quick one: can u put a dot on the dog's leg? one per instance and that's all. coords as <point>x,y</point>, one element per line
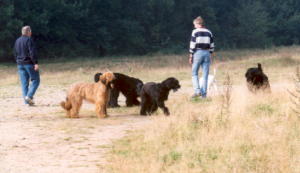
<point>76,104</point>
<point>150,105</point>
<point>132,102</point>
<point>101,109</point>
<point>129,101</point>
<point>143,109</point>
<point>135,101</point>
<point>250,87</point>
<point>68,113</point>
<point>144,105</point>
<point>266,87</point>
<point>163,107</point>
<point>153,108</point>
<point>113,100</point>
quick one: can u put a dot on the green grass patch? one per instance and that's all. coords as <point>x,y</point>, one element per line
<point>264,109</point>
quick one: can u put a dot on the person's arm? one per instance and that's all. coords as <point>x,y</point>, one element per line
<point>32,54</point>
<point>212,48</point>
<point>191,58</point>
<point>32,51</point>
<point>192,47</point>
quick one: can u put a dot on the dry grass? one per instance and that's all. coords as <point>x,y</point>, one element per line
<point>260,134</point>
<point>259,137</point>
<point>295,94</point>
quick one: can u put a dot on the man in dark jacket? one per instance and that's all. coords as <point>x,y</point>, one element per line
<point>28,68</point>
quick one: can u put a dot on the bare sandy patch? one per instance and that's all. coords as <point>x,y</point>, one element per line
<point>42,139</point>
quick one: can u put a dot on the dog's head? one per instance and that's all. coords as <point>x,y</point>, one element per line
<point>106,78</point>
<point>171,83</point>
<point>97,77</point>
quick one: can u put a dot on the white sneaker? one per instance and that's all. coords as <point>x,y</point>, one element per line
<point>29,101</point>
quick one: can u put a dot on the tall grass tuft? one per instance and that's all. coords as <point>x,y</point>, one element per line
<point>295,95</point>
<point>226,99</point>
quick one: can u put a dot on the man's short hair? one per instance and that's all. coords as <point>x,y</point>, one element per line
<point>26,30</point>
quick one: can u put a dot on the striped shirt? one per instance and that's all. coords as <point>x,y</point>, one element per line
<point>201,39</point>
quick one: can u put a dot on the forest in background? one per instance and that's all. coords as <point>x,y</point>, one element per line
<point>68,28</point>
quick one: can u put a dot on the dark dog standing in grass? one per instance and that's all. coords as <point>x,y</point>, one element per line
<point>257,80</point>
<point>130,87</point>
<point>153,95</point>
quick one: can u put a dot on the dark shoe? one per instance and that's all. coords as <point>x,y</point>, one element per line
<point>29,101</point>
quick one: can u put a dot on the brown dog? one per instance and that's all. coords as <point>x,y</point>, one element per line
<point>97,93</point>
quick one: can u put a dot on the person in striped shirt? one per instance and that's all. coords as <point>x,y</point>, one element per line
<point>201,50</point>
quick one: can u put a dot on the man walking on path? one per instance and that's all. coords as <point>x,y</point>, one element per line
<point>27,63</point>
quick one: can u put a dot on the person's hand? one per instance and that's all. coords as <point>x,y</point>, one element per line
<point>191,59</point>
<point>36,67</point>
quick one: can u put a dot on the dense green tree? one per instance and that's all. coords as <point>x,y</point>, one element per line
<point>103,27</point>
<point>283,18</point>
<point>252,25</point>
<point>9,28</point>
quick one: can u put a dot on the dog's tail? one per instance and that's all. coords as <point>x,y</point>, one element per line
<point>66,105</point>
<point>259,67</point>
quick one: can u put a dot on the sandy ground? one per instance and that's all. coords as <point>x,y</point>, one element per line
<point>41,139</point>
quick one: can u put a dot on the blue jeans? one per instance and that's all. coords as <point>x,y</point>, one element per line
<point>200,58</point>
<point>26,73</point>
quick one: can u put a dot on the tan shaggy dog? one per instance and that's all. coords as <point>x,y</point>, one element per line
<point>97,93</point>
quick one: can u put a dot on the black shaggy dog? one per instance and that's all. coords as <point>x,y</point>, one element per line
<point>130,87</point>
<point>257,80</point>
<point>153,95</point>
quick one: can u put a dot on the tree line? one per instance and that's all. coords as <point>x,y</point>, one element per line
<point>116,27</point>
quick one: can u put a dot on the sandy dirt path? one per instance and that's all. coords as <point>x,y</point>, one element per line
<point>42,140</point>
